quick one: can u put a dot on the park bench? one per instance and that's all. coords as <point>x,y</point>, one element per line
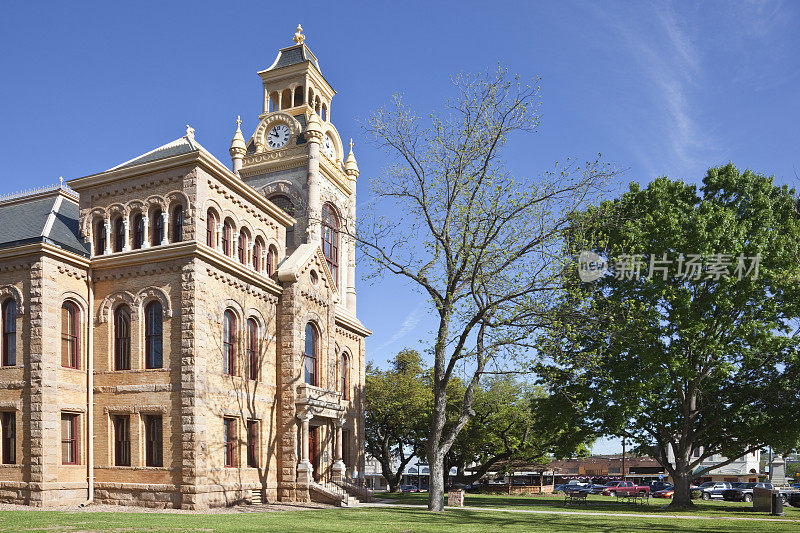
<point>575,496</point>
<point>640,498</point>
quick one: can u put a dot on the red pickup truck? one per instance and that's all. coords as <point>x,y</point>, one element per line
<point>625,488</point>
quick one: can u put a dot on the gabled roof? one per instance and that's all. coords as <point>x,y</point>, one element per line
<point>294,55</point>
<point>292,267</point>
<point>50,217</point>
<point>183,145</point>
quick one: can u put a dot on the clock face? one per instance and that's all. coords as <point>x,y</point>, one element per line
<point>278,136</point>
<point>327,148</point>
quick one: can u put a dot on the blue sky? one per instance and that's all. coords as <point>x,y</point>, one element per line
<point>658,88</point>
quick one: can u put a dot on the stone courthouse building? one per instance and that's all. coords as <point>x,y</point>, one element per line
<point>177,333</point>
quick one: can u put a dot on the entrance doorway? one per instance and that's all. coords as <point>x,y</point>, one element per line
<point>313,450</point>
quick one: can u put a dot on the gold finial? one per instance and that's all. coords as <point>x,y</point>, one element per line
<point>190,132</point>
<point>61,181</point>
<point>351,144</point>
<point>238,121</point>
<point>298,35</point>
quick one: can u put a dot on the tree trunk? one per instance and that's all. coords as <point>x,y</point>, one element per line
<point>682,497</point>
<point>436,489</point>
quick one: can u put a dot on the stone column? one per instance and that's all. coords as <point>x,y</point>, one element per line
<point>220,229</point>
<point>351,245</point>
<point>165,223</point>
<point>338,466</point>
<point>249,258</point>
<point>107,229</point>
<point>146,240</point>
<point>304,467</point>
<point>314,138</point>
<point>126,245</point>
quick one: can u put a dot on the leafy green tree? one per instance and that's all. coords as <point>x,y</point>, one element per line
<point>701,362</point>
<point>397,403</point>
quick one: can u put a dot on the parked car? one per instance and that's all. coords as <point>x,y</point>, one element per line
<point>620,488</point>
<point>666,493</point>
<point>409,488</point>
<point>743,492</point>
<point>596,489</point>
<point>793,499</point>
<point>656,486</point>
<point>712,489</point>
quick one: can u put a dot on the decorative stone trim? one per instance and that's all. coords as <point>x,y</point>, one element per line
<point>147,387</point>
<point>10,406</point>
<point>13,292</point>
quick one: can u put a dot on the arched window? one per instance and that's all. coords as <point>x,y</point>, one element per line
<point>257,255</point>
<point>138,231</point>
<point>122,338</point>
<point>9,310</point>
<point>324,114</point>
<point>344,371</point>
<point>211,228</point>
<point>70,349</point>
<point>158,227</point>
<point>242,248</point>
<point>154,335</point>
<point>330,240</point>
<point>310,356</point>
<point>272,256</point>
<point>227,237</point>
<point>177,223</point>
<point>229,343</point>
<point>252,348</point>
<point>298,96</point>
<point>119,234</point>
<point>100,237</point>
<point>288,207</point>
<point>286,99</point>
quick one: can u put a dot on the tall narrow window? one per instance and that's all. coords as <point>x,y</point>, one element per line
<point>345,377</point>
<point>122,440</point>
<point>310,356</point>
<point>69,335</point>
<point>227,236</point>
<point>177,223</point>
<point>158,227</point>
<point>154,441</point>
<point>69,439</point>
<point>119,234</point>
<point>252,444</point>
<point>330,240</point>
<point>211,228</point>
<point>272,256</point>
<point>242,247</point>
<point>286,205</point>
<point>9,310</point>
<point>138,231</point>
<point>229,343</point>
<point>153,333</point>
<point>252,348</point>
<point>100,238</point>
<point>9,429</point>
<point>230,441</point>
<point>257,256</point>
<point>122,338</point>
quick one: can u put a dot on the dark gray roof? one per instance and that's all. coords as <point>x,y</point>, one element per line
<point>26,221</point>
<point>294,55</point>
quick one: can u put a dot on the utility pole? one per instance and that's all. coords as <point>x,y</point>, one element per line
<point>623,457</point>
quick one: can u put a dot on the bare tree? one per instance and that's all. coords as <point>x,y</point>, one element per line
<point>483,244</point>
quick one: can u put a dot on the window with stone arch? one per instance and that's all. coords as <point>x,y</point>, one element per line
<point>229,343</point>
<point>252,349</point>
<point>257,248</point>
<point>122,338</point>
<point>286,205</point>
<point>154,335</point>
<point>119,234</point>
<point>211,228</point>
<point>70,338</point>
<point>100,237</point>
<point>330,240</point>
<point>227,238</point>
<point>9,312</point>
<point>177,223</point>
<point>157,236</point>
<point>310,355</point>
<point>242,246</point>
<point>344,375</point>
<point>272,258</point>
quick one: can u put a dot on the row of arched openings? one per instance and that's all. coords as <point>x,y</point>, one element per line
<point>311,360</point>
<point>236,244</point>
<point>288,98</point>
<point>155,224</point>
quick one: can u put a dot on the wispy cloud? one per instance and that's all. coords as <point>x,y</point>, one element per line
<point>408,325</point>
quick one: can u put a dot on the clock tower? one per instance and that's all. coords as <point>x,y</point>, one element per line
<point>295,157</point>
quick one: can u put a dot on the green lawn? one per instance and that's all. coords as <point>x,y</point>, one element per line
<point>367,520</point>
<point>595,503</point>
